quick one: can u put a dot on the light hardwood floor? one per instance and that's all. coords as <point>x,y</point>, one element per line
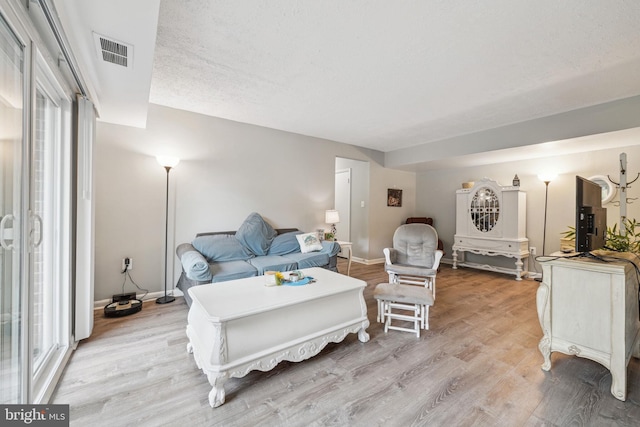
<point>478,365</point>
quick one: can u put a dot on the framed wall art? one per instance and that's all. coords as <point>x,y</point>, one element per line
<point>394,197</point>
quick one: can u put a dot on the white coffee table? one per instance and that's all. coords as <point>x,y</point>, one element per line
<point>242,325</point>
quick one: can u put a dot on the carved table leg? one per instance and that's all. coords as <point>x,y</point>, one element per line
<point>217,393</point>
<point>519,265</point>
<point>619,383</point>
<point>545,348</point>
<point>455,259</point>
<point>542,306</point>
<point>363,336</point>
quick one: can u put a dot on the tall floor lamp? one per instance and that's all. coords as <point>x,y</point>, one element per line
<point>546,178</point>
<point>167,163</point>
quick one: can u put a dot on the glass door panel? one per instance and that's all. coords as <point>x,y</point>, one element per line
<point>40,239</point>
<point>48,231</point>
<point>12,366</point>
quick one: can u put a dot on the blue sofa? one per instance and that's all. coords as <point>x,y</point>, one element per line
<point>254,248</point>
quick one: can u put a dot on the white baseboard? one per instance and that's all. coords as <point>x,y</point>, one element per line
<point>99,305</point>
<point>367,261</point>
<point>381,261</point>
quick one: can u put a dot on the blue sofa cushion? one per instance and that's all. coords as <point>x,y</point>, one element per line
<point>273,262</point>
<point>232,270</point>
<point>310,259</point>
<point>221,247</point>
<point>256,234</point>
<point>285,243</point>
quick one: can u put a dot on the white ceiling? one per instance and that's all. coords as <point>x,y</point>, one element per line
<point>391,76</point>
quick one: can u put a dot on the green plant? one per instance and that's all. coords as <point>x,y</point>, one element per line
<point>618,240</point>
<point>570,233</point>
<point>627,240</point>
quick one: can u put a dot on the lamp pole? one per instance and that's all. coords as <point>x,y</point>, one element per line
<point>546,178</point>
<point>166,298</point>
<point>544,230</point>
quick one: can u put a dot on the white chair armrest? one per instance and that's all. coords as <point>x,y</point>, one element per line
<point>389,255</point>
<point>438,257</point>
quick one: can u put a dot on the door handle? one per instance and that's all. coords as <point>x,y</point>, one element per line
<point>37,218</point>
<point>3,225</point>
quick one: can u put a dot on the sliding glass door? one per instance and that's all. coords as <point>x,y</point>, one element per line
<point>12,366</point>
<point>35,220</point>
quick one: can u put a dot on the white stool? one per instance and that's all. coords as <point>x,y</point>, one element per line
<point>413,298</point>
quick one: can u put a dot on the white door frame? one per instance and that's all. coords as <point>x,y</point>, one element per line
<point>342,203</point>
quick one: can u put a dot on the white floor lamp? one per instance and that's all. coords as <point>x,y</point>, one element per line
<point>167,163</point>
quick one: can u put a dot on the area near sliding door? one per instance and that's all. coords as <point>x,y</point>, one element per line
<point>12,63</point>
<point>35,209</point>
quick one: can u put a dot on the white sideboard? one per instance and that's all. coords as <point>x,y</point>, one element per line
<point>589,309</point>
<point>491,220</point>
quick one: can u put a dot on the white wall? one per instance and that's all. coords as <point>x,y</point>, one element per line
<point>230,169</point>
<point>437,191</point>
<point>227,171</point>
<point>387,218</point>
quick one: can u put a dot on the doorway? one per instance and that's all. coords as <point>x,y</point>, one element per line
<point>352,203</point>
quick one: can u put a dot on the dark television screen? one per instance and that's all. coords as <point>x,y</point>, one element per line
<point>591,217</point>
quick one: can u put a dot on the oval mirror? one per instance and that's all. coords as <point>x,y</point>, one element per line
<point>608,189</point>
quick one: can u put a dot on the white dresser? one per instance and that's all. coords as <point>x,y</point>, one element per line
<point>590,309</point>
<point>491,220</point>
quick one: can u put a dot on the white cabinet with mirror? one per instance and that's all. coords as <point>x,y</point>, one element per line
<point>491,220</point>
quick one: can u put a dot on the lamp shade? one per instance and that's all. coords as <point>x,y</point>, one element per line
<point>168,162</point>
<point>331,217</point>
<point>547,176</point>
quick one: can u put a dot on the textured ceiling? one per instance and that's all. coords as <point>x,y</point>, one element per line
<point>391,75</point>
<point>431,83</point>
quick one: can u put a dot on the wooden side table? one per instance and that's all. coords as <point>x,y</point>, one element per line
<point>347,245</point>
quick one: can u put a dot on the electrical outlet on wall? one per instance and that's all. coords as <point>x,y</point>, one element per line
<point>127,264</point>
<point>532,250</point>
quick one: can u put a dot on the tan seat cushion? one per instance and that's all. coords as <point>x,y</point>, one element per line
<point>403,293</point>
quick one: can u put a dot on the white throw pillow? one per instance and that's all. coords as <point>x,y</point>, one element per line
<point>309,242</point>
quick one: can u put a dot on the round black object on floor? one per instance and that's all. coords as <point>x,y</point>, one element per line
<point>165,300</point>
<point>122,308</point>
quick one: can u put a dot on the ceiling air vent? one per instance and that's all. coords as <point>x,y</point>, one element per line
<point>113,51</point>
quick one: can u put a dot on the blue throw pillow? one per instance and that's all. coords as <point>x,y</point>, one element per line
<point>285,243</point>
<point>256,235</point>
<point>221,247</point>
